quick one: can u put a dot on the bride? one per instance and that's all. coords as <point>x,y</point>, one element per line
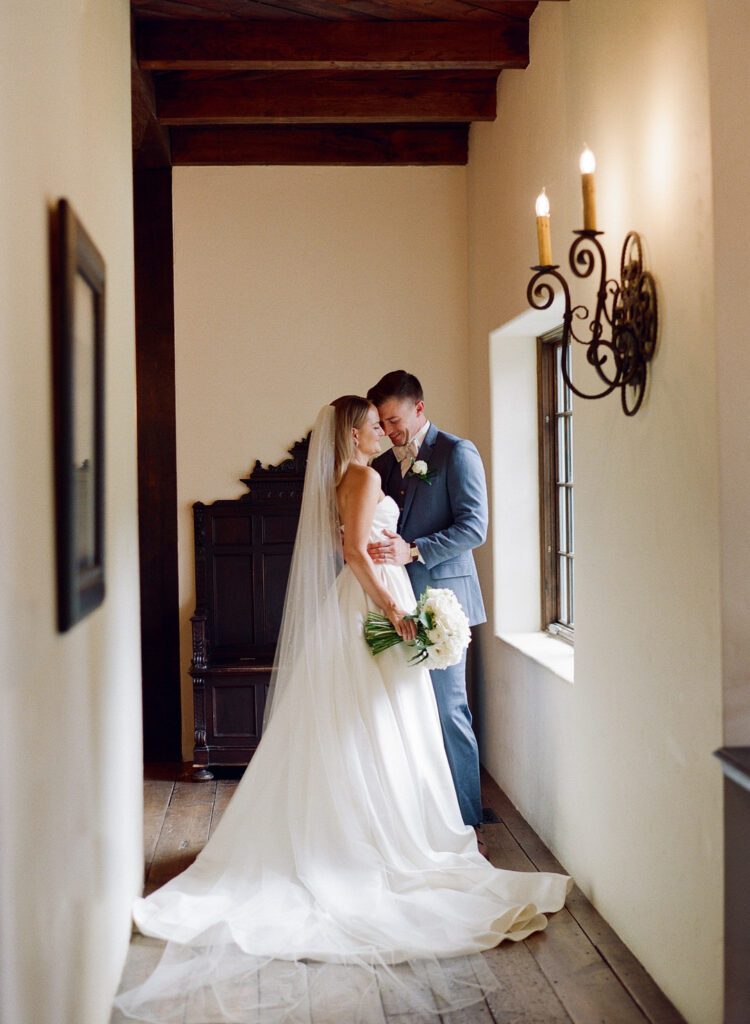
<point>341,875</point>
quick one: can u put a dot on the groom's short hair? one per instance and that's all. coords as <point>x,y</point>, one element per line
<point>396,384</point>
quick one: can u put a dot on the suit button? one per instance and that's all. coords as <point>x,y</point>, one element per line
<point>403,493</point>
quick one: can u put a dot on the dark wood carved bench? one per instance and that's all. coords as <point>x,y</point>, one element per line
<point>243,551</point>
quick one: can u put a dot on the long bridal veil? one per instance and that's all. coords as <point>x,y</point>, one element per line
<point>318,898</point>
<point>310,635</point>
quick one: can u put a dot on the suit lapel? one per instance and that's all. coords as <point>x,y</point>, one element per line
<point>413,482</point>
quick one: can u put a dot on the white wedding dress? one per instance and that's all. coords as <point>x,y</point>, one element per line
<point>343,844</point>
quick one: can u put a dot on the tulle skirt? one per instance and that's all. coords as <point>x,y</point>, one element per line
<point>341,879</point>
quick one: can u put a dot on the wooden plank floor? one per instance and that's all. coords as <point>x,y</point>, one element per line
<point>577,971</point>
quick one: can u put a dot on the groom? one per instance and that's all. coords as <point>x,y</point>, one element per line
<point>443,516</point>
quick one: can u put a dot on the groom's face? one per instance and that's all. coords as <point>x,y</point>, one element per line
<point>401,419</point>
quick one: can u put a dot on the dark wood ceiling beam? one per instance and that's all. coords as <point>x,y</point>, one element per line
<point>446,10</point>
<point>253,46</point>
<point>201,10</point>
<point>253,97</point>
<point>512,8</point>
<point>331,10</point>
<point>348,145</point>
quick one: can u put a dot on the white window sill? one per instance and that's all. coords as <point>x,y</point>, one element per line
<point>555,655</point>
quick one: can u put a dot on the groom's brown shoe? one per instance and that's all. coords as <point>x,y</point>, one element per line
<point>481,845</point>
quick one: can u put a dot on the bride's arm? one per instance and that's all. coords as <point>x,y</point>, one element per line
<point>360,497</point>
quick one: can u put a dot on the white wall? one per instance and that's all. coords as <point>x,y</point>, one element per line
<point>71,737</point>
<point>294,285</point>
<point>615,771</point>
<point>729,39</point>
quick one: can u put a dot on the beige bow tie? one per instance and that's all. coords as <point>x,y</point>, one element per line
<point>406,455</point>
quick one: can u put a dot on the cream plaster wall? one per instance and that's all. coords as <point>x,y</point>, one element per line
<point>615,771</point>
<point>71,801</point>
<point>294,285</point>
<point>729,39</point>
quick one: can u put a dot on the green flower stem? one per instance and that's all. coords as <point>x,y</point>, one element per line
<point>380,634</point>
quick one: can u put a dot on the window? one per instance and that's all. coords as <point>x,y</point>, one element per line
<point>556,486</point>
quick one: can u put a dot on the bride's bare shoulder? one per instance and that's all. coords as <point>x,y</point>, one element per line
<point>360,480</point>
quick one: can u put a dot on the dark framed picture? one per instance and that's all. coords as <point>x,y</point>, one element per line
<point>78,279</point>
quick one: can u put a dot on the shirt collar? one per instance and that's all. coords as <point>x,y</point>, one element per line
<point>421,434</point>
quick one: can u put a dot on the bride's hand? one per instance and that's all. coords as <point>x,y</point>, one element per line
<point>404,626</point>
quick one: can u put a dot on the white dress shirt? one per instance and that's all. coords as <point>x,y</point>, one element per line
<point>407,456</point>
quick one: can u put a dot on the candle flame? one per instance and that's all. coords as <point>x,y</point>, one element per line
<point>542,204</point>
<point>588,161</point>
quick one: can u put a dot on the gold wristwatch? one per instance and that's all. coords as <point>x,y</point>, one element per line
<point>413,552</point>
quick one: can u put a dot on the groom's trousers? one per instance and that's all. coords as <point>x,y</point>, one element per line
<point>459,739</point>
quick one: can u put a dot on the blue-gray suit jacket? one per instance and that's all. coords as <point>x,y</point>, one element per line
<point>445,518</point>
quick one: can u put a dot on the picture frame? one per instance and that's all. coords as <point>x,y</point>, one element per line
<point>78,334</point>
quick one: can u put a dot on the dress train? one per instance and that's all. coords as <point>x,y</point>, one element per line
<point>341,865</point>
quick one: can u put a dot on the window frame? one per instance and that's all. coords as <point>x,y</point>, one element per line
<point>549,487</point>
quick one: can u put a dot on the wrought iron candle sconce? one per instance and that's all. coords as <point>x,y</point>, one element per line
<point>623,329</point>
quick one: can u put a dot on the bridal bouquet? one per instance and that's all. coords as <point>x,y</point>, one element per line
<point>442,630</point>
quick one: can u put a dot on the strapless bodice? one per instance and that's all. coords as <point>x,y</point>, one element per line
<point>385,518</point>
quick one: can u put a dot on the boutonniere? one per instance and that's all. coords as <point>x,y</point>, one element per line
<point>421,471</point>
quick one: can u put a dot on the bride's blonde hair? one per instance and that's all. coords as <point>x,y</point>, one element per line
<point>351,413</point>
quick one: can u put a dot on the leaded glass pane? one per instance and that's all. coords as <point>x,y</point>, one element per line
<point>562,470</point>
<point>563,587</point>
<point>567,394</point>
<point>562,507</point>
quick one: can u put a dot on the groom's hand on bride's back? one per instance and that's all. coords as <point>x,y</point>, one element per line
<point>394,550</point>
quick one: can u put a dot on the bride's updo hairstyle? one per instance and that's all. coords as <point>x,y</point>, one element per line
<point>351,413</point>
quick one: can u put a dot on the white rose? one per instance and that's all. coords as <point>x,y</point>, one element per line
<point>419,467</point>
<point>436,635</point>
<point>448,634</point>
